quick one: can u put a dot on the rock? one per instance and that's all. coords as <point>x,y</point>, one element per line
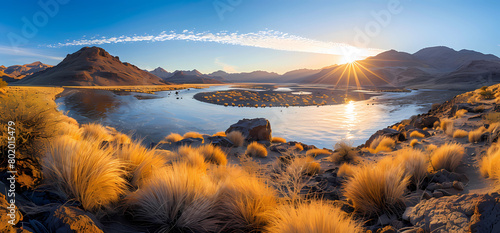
<point>406,214</point>
<point>286,147</point>
<point>466,106</point>
<point>433,186</point>
<point>257,129</point>
<point>385,219</point>
<point>71,219</point>
<point>265,143</point>
<point>444,192</point>
<point>437,194</point>
<point>427,195</point>
<point>414,230</point>
<point>8,212</point>
<point>387,229</point>
<point>190,142</point>
<point>458,185</point>
<point>220,141</point>
<point>392,133</point>
<point>459,213</point>
<point>424,121</point>
<point>397,224</point>
<point>446,185</point>
<point>443,175</point>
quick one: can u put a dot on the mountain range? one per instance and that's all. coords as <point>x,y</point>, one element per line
<point>434,67</point>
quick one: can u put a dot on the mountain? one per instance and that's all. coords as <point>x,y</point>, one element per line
<point>264,76</point>
<point>16,72</point>
<point>445,58</point>
<point>194,76</point>
<point>161,73</point>
<point>393,58</point>
<point>92,66</point>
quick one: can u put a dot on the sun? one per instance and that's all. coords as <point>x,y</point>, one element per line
<point>350,58</point>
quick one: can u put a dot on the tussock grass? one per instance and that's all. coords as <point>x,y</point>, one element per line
<point>346,170</point>
<point>236,137</point>
<point>312,217</point>
<point>414,163</point>
<point>256,149</point>
<point>416,134</point>
<point>378,189</point>
<point>430,147</point>
<point>173,137</point>
<point>191,156</point>
<point>222,134</point>
<point>120,138</point>
<point>298,147</point>
<point>460,133</point>
<point>414,142</point>
<point>445,124</point>
<point>93,131</point>
<point>475,135</point>
<point>70,130</point>
<point>213,154</point>
<point>489,166</point>
<point>344,153</point>
<point>306,165</point>
<point>278,140</point>
<point>460,113</point>
<point>193,135</point>
<point>382,144</point>
<point>82,171</point>
<point>316,152</point>
<point>179,198</point>
<point>447,156</point>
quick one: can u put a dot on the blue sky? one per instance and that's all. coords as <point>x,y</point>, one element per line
<point>242,35</point>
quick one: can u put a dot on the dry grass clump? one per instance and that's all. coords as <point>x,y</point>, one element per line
<point>490,164</point>
<point>120,139</point>
<point>256,149</point>
<point>236,137</point>
<point>179,198</point>
<point>221,134</point>
<point>475,135</point>
<point>493,117</point>
<point>306,165</point>
<point>298,147</point>
<point>82,171</point>
<point>316,152</point>
<point>191,156</point>
<point>446,123</point>
<point>95,131</point>
<point>346,170</point>
<point>414,164</point>
<point>414,142</point>
<point>460,133</point>
<point>431,147</point>
<point>278,140</point>
<point>70,130</point>
<point>173,137</point>
<point>312,217</point>
<point>213,154</point>
<point>193,135</point>
<point>416,134</point>
<point>382,143</point>
<point>447,156</point>
<point>344,153</point>
<point>378,189</point>
<point>460,113</point>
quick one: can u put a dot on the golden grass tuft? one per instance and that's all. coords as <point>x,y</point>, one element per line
<point>82,171</point>
<point>344,153</point>
<point>312,217</point>
<point>414,163</point>
<point>193,135</point>
<point>431,147</point>
<point>460,113</point>
<point>191,156</point>
<point>414,142</point>
<point>95,131</point>
<point>236,137</point>
<point>120,139</point>
<point>416,134</point>
<point>256,149</point>
<point>378,189</point>
<point>179,198</point>
<point>460,133</point>
<point>382,144</point>
<point>346,170</point>
<point>445,124</point>
<point>475,135</point>
<point>306,165</point>
<point>173,137</point>
<point>278,140</point>
<point>298,147</point>
<point>447,156</point>
<point>221,134</point>
<point>316,152</point>
<point>213,154</point>
<point>489,166</point>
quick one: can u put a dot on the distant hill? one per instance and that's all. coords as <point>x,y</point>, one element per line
<point>16,72</point>
<point>161,73</point>
<point>264,76</point>
<point>194,76</point>
<point>445,58</point>
<point>92,66</point>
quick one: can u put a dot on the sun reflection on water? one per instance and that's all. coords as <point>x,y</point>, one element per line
<point>351,119</point>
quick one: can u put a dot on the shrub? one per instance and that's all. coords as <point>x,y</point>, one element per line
<point>193,135</point>
<point>173,137</point>
<point>344,153</point>
<point>278,140</point>
<point>345,170</point>
<point>446,123</point>
<point>298,147</point>
<point>414,142</point>
<point>305,164</point>
<point>382,143</point>
<point>316,152</point>
<point>178,198</point>
<point>93,131</point>
<point>256,149</point>
<point>447,156</point>
<point>120,139</point>
<point>374,190</point>
<point>236,137</point>
<point>84,172</point>
<point>460,113</point>
<point>431,147</point>
<point>191,156</point>
<point>416,134</point>
<point>3,83</point>
<point>414,164</point>
<point>312,217</point>
<point>460,133</point>
<point>213,154</point>
<point>490,165</point>
<point>475,135</point>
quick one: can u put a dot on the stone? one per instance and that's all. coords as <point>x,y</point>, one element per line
<point>446,185</point>
<point>486,216</point>
<point>257,129</point>
<point>190,142</point>
<point>427,195</point>
<point>290,146</point>
<point>444,192</point>
<point>437,194</point>
<point>397,224</point>
<point>71,219</point>
<point>424,121</point>
<point>392,133</point>
<point>220,141</point>
<point>458,185</point>
<point>433,186</point>
<point>406,214</point>
<point>385,219</point>
<point>444,175</point>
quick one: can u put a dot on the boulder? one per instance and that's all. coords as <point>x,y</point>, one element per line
<point>220,141</point>
<point>72,219</point>
<point>444,175</point>
<point>190,142</point>
<point>285,147</point>
<point>459,213</point>
<point>257,129</point>
<point>387,132</point>
<point>421,122</point>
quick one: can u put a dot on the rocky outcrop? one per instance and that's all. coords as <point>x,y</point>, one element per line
<point>462,213</point>
<point>257,129</point>
<point>421,122</point>
<point>387,132</point>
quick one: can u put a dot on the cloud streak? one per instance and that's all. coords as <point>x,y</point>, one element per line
<point>25,52</point>
<point>268,39</point>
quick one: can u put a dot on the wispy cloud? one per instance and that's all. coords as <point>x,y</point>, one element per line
<point>25,52</point>
<point>225,67</point>
<point>269,39</point>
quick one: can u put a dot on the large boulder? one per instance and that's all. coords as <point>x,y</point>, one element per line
<point>71,219</point>
<point>257,129</point>
<point>387,132</point>
<point>421,122</point>
<point>220,141</point>
<point>462,213</point>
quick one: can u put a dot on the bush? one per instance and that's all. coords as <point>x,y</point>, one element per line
<point>460,133</point>
<point>193,135</point>
<point>446,123</point>
<point>416,134</point>
<point>414,164</point>
<point>447,156</point>
<point>256,149</point>
<point>487,94</point>
<point>236,137</point>
<point>278,140</point>
<point>82,171</point>
<point>344,153</point>
<point>213,154</point>
<point>382,144</point>
<point>492,117</point>
<point>3,83</point>
<point>312,217</point>
<point>414,142</point>
<point>93,131</point>
<point>306,165</point>
<point>172,137</point>
<point>460,113</point>
<point>345,170</point>
<point>191,156</point>
<point>475,135</point>
<point>490,164</point>
<point>374,190</point>
<point>298,147</point>
<point>315,152</point>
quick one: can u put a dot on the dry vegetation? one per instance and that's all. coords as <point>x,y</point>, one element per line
<point>382,144</point>
<point>460,133</point>
<point>447,156</point>
<point>475,135</point>
<point>278,140</point>
<point>316,152</point>
<point>416,134</point>
<point>460,113</point>
<point>236,137</point>
<point>344,153</point>
<point>413,142</point>
<point>256,149</point>
<point>173,137</point>
<point>490,164</point>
